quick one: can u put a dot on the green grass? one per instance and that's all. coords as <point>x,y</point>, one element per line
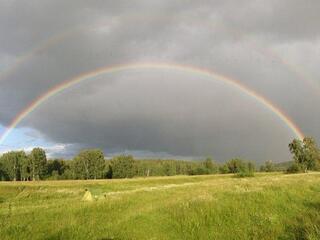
<point>268,206</point>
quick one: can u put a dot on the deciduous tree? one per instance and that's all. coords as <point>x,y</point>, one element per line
<point>305,153</point>
<point>268,166</point>
<point>122,166</point>
<point>38,161</point>
<point>12,162</point>
<point>89,164</point>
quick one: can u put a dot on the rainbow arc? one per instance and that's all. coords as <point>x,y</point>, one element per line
<point>168,66</point>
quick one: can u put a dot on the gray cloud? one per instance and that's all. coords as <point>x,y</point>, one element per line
<point>271,47</point>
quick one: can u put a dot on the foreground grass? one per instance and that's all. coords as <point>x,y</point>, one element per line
<point>268,206</point>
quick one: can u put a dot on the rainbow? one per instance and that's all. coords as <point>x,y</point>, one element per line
<point>52,41</point>
<point>134,66</point>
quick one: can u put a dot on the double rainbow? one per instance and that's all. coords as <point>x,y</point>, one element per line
<point>168,66</point>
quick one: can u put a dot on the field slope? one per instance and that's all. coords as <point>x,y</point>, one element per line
<point>268,206</point>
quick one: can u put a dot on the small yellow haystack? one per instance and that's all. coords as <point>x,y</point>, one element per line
<point>87,196</point>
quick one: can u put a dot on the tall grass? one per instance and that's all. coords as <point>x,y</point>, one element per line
<point>267,206</point>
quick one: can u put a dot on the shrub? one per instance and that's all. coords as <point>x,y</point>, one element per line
<point>199,170</point>
<point>245,173</point>
<point>294,168</point>
<point>268,166</point>
<point>235,165</point>
<point>223,169</point>
<point>246,170</point>
<point>240,167</point>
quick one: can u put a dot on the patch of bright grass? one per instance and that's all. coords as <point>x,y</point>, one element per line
<point>267,206</point>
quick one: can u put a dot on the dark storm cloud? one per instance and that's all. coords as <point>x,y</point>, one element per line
<point>257,42</point>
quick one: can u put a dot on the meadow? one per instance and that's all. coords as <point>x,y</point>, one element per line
<point>267,206</point>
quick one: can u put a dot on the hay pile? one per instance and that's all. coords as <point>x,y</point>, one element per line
<point>87,196</point>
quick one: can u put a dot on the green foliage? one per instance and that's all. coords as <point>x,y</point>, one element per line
<point>173,167</point>
<point>108,174</point>
<point>122,166</point>
<point>246,169</point>
<point>169,168</point>
<point>25,169</point>
<point>268,166</point>
<point>240,167</point>
<point>68,172</point>
<point>295,168</point>
<point>37,161</point>
<point>224,169</point>
<point>282,166</point>
<point>234,165</point>
<point>202,168</point>
<point>210,166</point>
<point>3,174</point>
<point>12,163</point>
<point>55,165</point>
<point>197,170</point>
<point>56,169</point>
<point>305,153</point>
<point>89,164</point>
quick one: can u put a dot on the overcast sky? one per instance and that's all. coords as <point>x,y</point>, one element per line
<point>272,47</point>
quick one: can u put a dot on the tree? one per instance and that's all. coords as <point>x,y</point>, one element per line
<point>240,167</point>
<point>169,168</point>
<point>305,153</point>
<point>56,167</point>
<point>12,162</point>
<point>38,161</point>
<point>223,169</point>
<point>68,170</point>
<point>268,166</point>
<point>53,165</point>
<point>122,166</point>
<point>89,164</point>
<point>97,163</point>
<point>246,169</point>
<point>3,174</point>
<point>312,153</point>
<point>234,165</point>
<point>25,169</point>
<point>251,168</point>
<point>210,166</point>
<point>294,168</point>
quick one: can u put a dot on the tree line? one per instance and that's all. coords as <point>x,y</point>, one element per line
<point>91,164</point>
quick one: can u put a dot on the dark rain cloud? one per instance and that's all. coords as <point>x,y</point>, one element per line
<point>272,47</point>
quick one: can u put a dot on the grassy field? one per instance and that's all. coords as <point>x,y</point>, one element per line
<point>268,206</point>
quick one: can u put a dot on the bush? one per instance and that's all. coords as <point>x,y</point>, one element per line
<point>210,166</point>
<point>268,166</point>
<point>246,170</point>
<point>294,168</point>
<point>240,167</point>
<point>235,165</point>
<point>223,169</point>
<point>245,173</point>
<point>67,174</point>
<point>200,170</point>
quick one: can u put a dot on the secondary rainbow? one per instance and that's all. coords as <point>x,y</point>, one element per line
<point>134,66</point>
<point>58,38</point>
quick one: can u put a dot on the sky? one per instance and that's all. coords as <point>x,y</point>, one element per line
<point>271,48</point>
